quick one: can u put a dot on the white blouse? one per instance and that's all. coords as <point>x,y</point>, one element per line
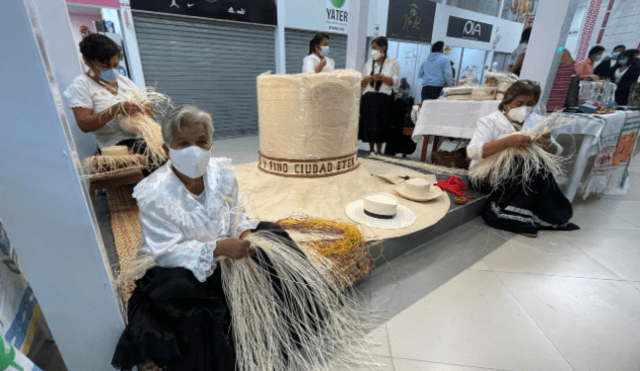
<point>181,232</point>
<point>390,68</point>
<point>311,61</point>
<point>496,126</point>
<point>86,93</point>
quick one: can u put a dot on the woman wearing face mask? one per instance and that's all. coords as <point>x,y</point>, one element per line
<point>190,213</point>
<point>317,60</point>
<point>625,73</point>
<point>516,207</point>
<point>98,98</point>
<point>585,68</point>
<point>382,74</point>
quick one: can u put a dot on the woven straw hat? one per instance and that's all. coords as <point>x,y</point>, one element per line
<point>419,189</point>
<point>381,210</point>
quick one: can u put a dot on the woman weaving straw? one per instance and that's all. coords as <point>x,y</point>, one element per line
<point>100,98</point>
<point>215,300</point>
<point>515,168</point>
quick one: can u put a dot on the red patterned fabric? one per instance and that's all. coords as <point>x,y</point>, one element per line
<point>559,88</point>
<point>454,185</point>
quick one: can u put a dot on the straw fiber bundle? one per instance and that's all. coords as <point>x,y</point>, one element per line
<point>144,127</point>
<point>502,166</point>
<point>330,328</point>
<point>340,242</point>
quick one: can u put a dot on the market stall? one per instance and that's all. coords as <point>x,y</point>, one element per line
<point>596,166</point>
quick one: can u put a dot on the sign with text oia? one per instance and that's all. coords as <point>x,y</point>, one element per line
<point>469,29</point>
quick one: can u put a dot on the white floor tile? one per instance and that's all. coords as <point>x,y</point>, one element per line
<point>551,254</point>
<point>473,320</point>
<point>380,342</point>
<point>618,250</point>
<point>378,363</point>
<point>594,323</point>
<point>480,266</point>
<point>412,365</point>
<point>636,284</point>
<point>587,217</point>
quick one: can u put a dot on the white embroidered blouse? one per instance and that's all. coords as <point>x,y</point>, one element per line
<point>180,231</point>
<point>496,126</point>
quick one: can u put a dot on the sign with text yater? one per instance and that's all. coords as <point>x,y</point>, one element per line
<point>461,28</point>
<point>411,20</point>
<point>250,11</point>
<point>337,15</point>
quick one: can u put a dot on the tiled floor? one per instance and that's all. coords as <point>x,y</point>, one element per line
<point>480,299</point>
<point>563,301</point>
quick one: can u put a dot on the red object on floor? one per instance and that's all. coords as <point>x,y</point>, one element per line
<point>454,185</point>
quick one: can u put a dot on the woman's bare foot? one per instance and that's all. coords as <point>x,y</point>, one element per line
<point>530,235</point>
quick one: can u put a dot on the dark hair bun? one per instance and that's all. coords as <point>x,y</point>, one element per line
<point>96,47</point>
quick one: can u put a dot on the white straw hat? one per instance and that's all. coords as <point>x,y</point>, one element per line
<point>381,210</point>
<point>419,189</point>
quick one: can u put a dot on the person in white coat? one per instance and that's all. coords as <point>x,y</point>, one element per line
<point>317,61</point>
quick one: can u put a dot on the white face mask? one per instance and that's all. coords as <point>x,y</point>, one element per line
<point>520,114</point>
<point>191,161</point>
<point>324,51</point>
<point>375,54</point>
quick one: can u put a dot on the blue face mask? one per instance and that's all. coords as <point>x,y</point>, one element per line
<point>324,51</point>
<point>623,62</point>
<point>599,57</point>
<point>110,75</point>
<point>615,54</point>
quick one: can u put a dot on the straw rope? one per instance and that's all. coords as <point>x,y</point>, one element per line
<point>435,169</point>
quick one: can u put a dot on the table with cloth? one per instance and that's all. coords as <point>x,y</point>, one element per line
<point>597,164</point>
<point>449,118</point>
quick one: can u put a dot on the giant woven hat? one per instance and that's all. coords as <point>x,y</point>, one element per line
<point>308,162</point>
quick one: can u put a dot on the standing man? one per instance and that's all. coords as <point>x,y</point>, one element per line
<point>606,67</point>
<point>434,72</point>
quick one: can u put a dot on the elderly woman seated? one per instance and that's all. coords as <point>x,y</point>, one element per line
<point>515,206</point>
<point>190,215</point>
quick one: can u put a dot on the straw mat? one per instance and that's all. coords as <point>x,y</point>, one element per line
<point>126,231</point>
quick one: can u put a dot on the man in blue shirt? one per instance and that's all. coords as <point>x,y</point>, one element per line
<point>434,72</point>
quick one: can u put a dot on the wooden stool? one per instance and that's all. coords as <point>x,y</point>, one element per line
<point>114,179</point>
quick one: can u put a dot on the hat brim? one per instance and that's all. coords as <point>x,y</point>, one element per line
<point>434,192</point>
<point>404,218</point>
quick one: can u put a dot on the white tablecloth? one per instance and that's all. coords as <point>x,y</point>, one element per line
<point>451,118</point>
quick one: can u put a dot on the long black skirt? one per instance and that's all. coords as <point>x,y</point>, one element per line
<point>182,324</point>
<point>520,208</point>
<point>376,117</point>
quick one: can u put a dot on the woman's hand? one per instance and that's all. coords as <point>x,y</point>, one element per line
<point>234,249</point>
<point>366,81</point>
<point>519,141</point>
<point>544,140</point>
<point>127,108</point>
<point>245,233</point>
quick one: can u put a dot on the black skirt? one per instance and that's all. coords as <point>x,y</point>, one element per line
<point>521,208</point>
<point>376,117</point>
<point>182,324</point>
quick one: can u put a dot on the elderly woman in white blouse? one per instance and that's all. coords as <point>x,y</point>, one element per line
<point>382,74</point>
<point>517,207</point>
<point>190,215</point>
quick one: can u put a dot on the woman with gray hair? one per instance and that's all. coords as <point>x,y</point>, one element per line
<point>190,215</point>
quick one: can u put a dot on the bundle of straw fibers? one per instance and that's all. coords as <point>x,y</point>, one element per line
<point>145,127</point>
<point>310,320</point>
<point>500,167</point>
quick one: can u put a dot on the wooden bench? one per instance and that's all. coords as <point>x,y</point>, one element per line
<point>114,179</point>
